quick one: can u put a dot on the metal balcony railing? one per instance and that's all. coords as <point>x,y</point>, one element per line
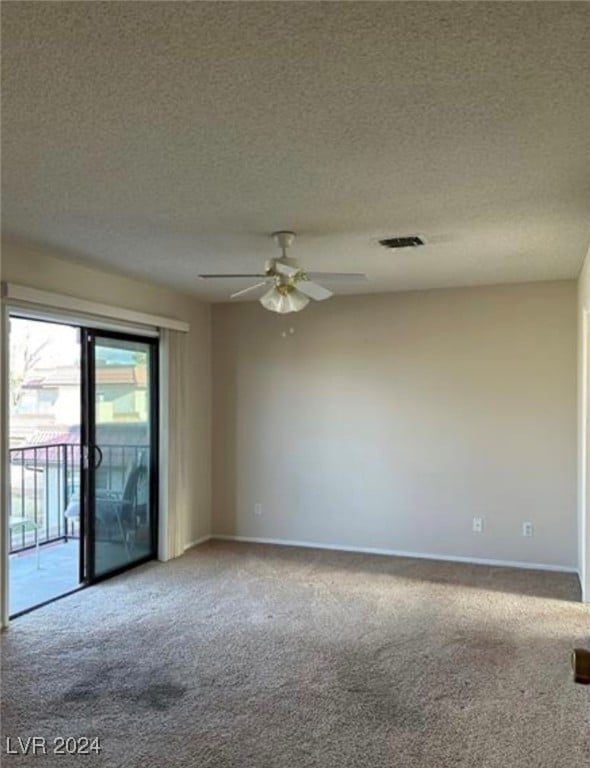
<point>43,479</point>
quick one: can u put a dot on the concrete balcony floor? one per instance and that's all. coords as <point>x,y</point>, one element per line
<point>56,575</point>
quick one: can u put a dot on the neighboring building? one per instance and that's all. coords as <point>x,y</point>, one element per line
<point>50,400</point>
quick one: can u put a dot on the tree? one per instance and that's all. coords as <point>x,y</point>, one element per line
<point>26,352</point>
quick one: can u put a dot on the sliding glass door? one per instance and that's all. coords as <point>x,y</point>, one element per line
<point>82,459</point>
<point>119,451</point>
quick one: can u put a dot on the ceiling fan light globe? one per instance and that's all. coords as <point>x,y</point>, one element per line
<point>284,301</point>
<point>296,301</point>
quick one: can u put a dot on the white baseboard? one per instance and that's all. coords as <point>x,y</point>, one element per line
<point>196,543</point>
<point>400,553</point>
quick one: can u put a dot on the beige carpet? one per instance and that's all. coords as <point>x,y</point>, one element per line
<point>247,655</point>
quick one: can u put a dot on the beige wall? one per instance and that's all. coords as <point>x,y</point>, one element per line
<point>389,421</point>
<point>34,267</point>
<point>583,428</point>
<point>382,422</point>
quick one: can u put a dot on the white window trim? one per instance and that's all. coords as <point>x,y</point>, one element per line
<point>24,296</point>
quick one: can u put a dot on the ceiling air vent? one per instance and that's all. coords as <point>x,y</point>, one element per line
<point>409,241</point>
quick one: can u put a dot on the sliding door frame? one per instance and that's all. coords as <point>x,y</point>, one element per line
<point>4,463</point>
<point>144,333</point>
<point>37,304</point>
<point>8,313</point>
<point>88,476</point>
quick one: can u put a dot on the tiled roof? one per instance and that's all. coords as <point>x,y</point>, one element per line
<point>57,434</point>
<point>69,376</point>
<point>116,435</point>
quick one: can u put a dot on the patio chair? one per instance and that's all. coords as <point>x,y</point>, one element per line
<point>117,512</point>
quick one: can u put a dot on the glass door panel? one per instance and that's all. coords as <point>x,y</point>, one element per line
<point>121,452</point>
<point>44,404</point>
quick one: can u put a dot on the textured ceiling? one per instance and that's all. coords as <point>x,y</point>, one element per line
<point>166,139</point>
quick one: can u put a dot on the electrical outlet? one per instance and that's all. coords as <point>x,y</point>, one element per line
<point>527,529</point>
<point>478,525</point>
<point>258,509</point>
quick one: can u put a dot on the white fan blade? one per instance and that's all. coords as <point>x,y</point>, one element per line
<point>285,269</point>
<point>313,290</point>
<point>352,277</point>
<point>232,277</point>
<point>247,290</point>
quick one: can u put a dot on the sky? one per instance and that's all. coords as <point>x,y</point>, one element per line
<point>62,346</point>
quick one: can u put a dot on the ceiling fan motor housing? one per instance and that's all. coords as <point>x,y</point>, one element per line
<point>284,239</point>
<point>272,271</point>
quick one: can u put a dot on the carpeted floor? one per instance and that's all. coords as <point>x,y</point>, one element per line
<point>248,655</point>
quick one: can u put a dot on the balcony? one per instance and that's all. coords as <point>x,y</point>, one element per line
<point>44,544</point>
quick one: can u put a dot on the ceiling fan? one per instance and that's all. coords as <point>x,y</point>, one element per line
<point>291,285</point>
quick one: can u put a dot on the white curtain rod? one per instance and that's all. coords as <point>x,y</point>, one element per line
<point>23,294</point>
